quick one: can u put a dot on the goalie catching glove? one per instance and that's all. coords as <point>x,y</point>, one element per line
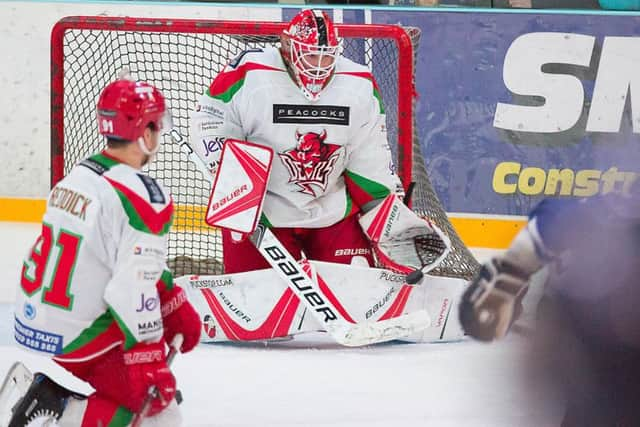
<point>402,241</point>
<point>493,299</point>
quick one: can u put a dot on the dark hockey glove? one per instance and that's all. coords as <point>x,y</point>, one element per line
<point>493,300</point>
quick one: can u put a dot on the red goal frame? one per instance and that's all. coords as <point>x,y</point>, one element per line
<point>406,87</point>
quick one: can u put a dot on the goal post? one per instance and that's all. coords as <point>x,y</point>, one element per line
<point>181,57</point>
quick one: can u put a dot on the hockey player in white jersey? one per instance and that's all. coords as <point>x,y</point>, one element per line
<point>94,292</point>
<point>323,116</point>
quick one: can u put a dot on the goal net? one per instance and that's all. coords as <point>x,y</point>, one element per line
<point>181,57</point>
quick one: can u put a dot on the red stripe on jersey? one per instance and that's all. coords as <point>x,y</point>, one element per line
<point>155,221</point>
<point>97,346</point>
<point>357,193</point>
<point>226,79</point>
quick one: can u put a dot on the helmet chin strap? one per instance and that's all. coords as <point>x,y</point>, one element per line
<point>144,148</point>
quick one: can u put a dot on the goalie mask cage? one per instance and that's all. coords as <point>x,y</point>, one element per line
<point>181,57</point>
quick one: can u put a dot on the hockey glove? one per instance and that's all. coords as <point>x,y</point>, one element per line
<point>179,317</point>
<point>493,300</point>
<point>145,365</point>
<point>401,240</point>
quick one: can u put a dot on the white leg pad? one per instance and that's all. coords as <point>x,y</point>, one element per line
<point>242,304</point>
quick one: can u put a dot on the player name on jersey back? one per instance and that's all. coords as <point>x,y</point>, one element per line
<point>69,201</point>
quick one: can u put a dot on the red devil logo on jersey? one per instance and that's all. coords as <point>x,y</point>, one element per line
<point>311,161</point>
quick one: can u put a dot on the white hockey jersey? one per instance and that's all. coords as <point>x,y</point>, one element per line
<point>89,281</point>
<point>331,156</point>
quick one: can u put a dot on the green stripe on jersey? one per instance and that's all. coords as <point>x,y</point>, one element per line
<point>136,221</point>
<point>100,325</point>
<point>378,96</point>
<point>141,214</point>
<point>104,161</point>
<point>129,339</point>
<point>372,188</point>
<point>228,94</point>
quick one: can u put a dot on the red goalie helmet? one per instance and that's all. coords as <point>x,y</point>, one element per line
<point>126,108</point>
<point>311,45</point>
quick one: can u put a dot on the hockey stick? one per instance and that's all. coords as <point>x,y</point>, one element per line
<point>308,291</point>
<point>153,391</point>
<point>344,332</point>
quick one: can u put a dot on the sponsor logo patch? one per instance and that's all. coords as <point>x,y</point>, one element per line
<point>196,282</point>
<point>212,145</point>
<point>147,303</point>
<point>148,251</point>
<point>311,114</point>
<point>210,109</point>
<point>36,339</point>
<point>148,275</point>
<point>29,311</point>
<point>149,327</point>
<point>209,326</point>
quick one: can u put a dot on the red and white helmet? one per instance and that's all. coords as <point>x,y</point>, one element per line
<point>126,108</point>
<point>313,48</point>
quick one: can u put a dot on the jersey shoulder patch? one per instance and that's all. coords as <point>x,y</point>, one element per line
<point>156,194</point>
<point>98,163</point>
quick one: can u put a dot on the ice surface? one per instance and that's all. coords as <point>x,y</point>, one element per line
<point>312,382</point>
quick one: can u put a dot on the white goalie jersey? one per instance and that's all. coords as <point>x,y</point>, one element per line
<point>330,156</point>
<point>89,281</point>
